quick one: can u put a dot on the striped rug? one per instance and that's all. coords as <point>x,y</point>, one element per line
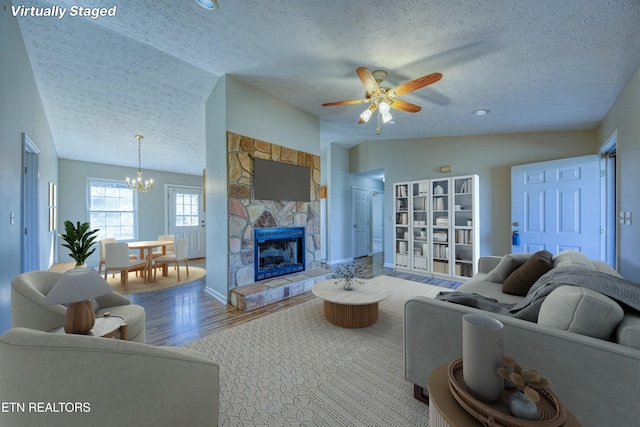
<point>294,368</point>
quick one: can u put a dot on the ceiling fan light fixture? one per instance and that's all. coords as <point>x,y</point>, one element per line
<point>384,107</point>
<point>209,4</point>
<point>386,117</point>
<point>366,115</point>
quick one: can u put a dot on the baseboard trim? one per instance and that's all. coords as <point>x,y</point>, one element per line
<point>419,394</point>
<point>222,298</point>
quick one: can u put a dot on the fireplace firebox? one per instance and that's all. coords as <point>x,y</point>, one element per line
<point>278,251</point>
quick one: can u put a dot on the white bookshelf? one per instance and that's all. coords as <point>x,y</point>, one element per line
<point>436,226</point>
<point>401,227</point>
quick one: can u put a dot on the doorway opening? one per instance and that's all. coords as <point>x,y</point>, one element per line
<point>609,201</point>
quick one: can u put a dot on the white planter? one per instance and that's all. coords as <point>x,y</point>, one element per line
<point>482,355</point>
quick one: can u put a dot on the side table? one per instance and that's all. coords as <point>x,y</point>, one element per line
<point>106,326</point>
<point>445,411</point>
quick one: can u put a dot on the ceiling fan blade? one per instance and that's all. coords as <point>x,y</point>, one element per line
<point>401,105</point>
<point>368,81</point>
<point>352,101</point>
<point>414,84</point>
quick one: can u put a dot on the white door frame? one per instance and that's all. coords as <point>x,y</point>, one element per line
<point>609,207</point>
<point>30,182</point>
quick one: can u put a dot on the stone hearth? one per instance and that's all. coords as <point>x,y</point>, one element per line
<point>268,291</point>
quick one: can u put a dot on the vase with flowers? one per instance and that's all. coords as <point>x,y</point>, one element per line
<point>348,275</point>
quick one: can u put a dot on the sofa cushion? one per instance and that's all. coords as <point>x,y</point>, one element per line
<point>571,258</point>
<point>520,281</point>
<point>507,265</point>
<point>628,330</point>
<point>580,310</point>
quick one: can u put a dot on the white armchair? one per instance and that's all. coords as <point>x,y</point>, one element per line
<point>28,310</point>
<point>117,383</point>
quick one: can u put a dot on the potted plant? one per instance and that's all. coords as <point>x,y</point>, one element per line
<point>79,240</point>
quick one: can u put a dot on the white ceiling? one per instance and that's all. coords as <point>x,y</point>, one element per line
<point>537,65</point>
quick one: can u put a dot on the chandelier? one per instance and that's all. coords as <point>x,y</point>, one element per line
<point>136,185</point>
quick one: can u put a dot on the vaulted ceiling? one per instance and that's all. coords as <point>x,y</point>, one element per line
<point>536,65</point>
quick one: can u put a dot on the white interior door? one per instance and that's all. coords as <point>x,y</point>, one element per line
<point>360,200</point>
<point>555,206</point>
<point>186,218</point>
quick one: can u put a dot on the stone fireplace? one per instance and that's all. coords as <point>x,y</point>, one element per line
<point>278,251</point>
<point>246,214</point>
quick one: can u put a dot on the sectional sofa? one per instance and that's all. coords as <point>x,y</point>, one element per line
<point>586,343</point>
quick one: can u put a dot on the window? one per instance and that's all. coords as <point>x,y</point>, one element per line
<point>187,210</point>
<point>112,209</point>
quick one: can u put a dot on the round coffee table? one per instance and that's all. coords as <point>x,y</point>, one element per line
<point>356,308</point>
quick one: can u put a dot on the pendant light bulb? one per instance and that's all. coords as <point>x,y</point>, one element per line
<point>366,115</point>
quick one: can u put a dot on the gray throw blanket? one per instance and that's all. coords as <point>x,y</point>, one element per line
<point>618,289</point>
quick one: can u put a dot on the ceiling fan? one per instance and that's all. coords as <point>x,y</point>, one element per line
<point>383,98</point>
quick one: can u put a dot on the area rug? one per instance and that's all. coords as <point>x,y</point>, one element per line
<point>294,368</point>
<point>136,285</point>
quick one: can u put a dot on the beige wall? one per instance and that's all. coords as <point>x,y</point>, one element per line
<point>624,119</point>
<point>489,156</point>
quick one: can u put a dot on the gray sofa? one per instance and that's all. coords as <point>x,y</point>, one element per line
<point>75,380</point>
<point>598,380</point>
<point>28,310</point>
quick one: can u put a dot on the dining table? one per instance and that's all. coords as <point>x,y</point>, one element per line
<point>146,248</point>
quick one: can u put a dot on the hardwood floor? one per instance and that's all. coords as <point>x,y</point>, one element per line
<point>185,313</point>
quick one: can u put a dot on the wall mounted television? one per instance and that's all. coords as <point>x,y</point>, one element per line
<point>281,181</point>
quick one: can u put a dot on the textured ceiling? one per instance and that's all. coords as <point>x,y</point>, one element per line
<point>537,65</point>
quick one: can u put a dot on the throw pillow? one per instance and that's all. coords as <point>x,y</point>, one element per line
<point>571,258</point>
<point>520,281</point>
<point>507,265</point>
<point>580,310</point>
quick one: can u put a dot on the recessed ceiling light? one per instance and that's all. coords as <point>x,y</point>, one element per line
<point>208,4</point>
<point>392,122</point>
<point>480,112</point>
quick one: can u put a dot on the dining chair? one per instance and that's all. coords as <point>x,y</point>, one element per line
<point>103,242</point>
<point>178,256</point>
<point>170,248</point>
<point>117,258</point>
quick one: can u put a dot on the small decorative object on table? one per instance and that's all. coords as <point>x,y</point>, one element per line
<point>522,402</point>
<point>348,275</point>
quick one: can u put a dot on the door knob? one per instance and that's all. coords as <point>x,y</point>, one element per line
<point>515,224</point>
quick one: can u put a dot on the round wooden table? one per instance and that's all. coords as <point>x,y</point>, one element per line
<point>355,308</point>
<point>445,411</point>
